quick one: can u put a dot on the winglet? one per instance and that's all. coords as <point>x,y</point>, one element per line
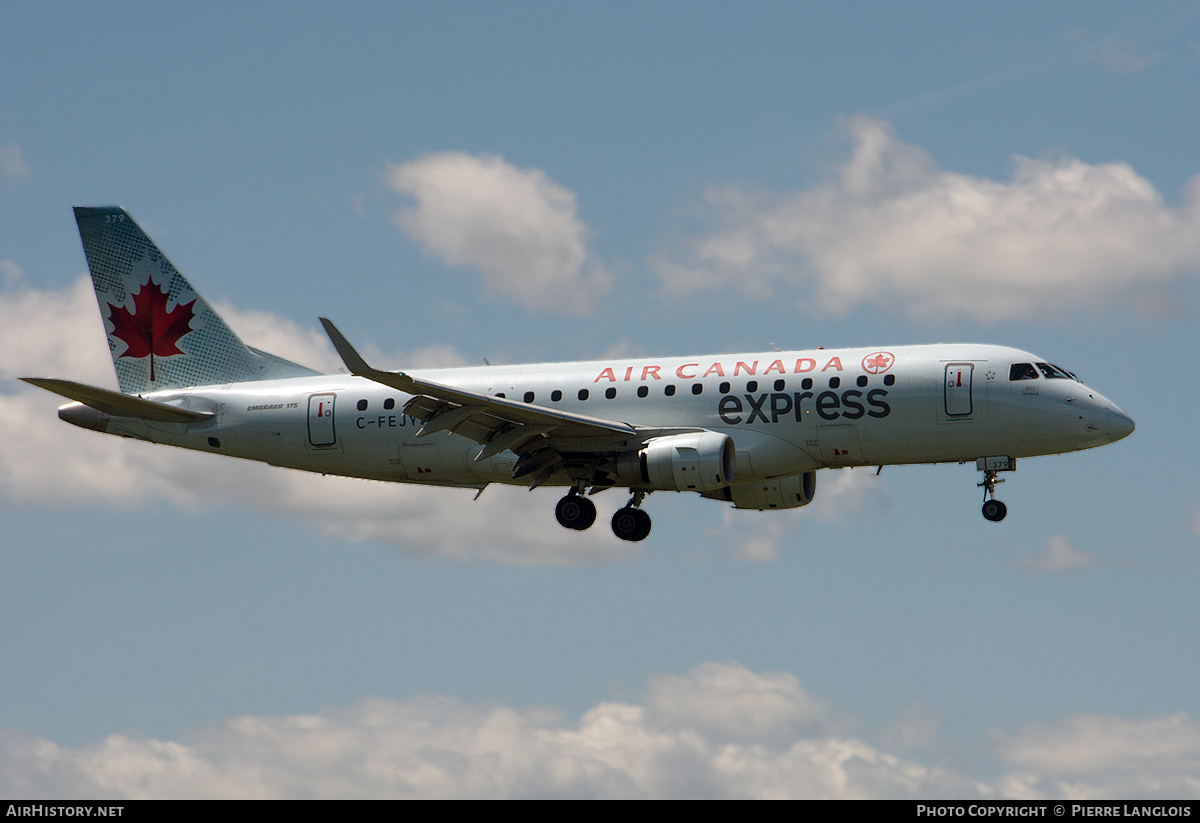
<point>525,415</point>
<point>353,360</point>
<point>359,367</point>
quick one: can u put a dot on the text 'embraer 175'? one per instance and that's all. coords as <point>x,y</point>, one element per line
<point>750,429</point>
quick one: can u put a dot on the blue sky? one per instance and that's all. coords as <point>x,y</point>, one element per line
<point>538,181</point>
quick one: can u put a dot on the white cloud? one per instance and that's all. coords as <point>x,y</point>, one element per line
<point>841,494</point>
<point>622,349</point>
<point>54,463</point>
<point>761,544</point>
<point>720,731</point>
<point>308,346</point>
<point>13,167</point>
<point>57,333</point>
<point>516,226</point>
<point>441,747</point>
<point>731,702</point>
<point>1113,53</point>
<point>915,728</point>
<point>891,229</point>
<point>1061,556</point>
<point>1097,756</point>
<point>848,492</point>
<point>54,333</point>
<point>10,273</point>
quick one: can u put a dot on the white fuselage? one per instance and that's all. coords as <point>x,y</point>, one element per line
<point>787,412</point>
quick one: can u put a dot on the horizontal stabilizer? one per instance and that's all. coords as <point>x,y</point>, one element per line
<point>117,404</point>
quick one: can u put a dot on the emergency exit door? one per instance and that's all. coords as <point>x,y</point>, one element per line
<point>320,420</point>
<point>958,389</point>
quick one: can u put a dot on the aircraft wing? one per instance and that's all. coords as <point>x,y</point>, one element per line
<point>117,404</point>
<point>499,423</point>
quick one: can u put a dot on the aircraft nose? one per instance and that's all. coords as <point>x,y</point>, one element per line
<point>1120,424</point>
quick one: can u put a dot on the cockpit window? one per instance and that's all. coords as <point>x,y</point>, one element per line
<point>1022,371</point>
<point>1054,372</point>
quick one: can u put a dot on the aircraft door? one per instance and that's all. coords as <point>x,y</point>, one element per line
<point>320,420</point>
<point>958,389</point>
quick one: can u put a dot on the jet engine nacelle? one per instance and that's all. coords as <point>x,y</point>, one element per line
<point>781,493</point>
<point>695,461</point>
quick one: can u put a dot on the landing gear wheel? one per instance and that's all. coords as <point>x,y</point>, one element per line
<point>994,510</point>
<point>575,512</point>
<point>631,524</point>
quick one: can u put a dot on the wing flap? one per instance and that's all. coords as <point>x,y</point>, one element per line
<point>448,420</point>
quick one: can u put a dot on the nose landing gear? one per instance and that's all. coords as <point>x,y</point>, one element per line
<point>993,509</point>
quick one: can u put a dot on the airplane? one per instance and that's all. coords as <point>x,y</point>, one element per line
<point>752,430</point>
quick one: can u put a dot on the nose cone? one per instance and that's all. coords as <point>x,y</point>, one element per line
<point>1120,425</point>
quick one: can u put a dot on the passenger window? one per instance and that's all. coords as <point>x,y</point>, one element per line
<point>752,385</point>
<point>362,405</point>
<point>610,393</point>
<point>834,382</point>
<point>806,383</point>
<point>583,394</point>
<point>889,380</point>
<point>780,385</point>
<point>500,394</point>
<point>528,397</point>
<point>1022,371</point>
<point>643,391</point>
<point>669,390</point>
<point>861,381</point>
<point>724,388</point>
<point>556,395</point>
<point>390,403</point>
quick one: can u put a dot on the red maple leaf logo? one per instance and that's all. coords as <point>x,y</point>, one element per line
<point>878,362</point>
<point>150,329</point>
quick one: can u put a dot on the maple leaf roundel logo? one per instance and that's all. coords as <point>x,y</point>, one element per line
<point>150,330</point>
<point>878,362</point>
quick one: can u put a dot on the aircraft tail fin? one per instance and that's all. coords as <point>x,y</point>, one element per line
<point>162,334</point>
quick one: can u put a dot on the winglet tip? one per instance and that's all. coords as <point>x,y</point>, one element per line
<point>350,356</point>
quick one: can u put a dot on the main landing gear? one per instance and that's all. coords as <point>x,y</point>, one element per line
<point>629,523</point>
<point>993,509</point>
<point>575,511</point>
